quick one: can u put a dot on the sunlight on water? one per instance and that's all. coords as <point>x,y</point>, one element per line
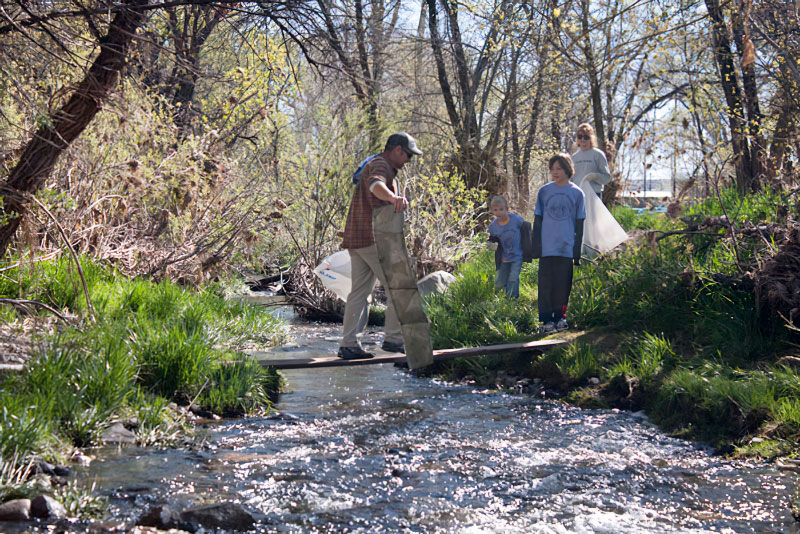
<point>373,449</point>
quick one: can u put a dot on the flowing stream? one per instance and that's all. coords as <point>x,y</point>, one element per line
<point>375,449</point>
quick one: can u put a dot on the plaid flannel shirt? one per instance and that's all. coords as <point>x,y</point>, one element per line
<point>358,229</point>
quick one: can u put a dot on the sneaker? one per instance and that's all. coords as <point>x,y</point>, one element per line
<point>549,327</point>
<point>388,346</point>
<point>562,324</point>
<point>354,353</point>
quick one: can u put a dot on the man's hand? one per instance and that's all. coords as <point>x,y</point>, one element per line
<point>382,192</point>
<point>400,203</point>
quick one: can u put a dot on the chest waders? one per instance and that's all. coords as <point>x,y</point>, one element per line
<point>388,230</point>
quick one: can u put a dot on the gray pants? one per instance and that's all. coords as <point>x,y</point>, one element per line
<point>555,284</point>
<point>365,269</point>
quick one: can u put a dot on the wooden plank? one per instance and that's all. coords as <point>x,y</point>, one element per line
<point>532,347</point>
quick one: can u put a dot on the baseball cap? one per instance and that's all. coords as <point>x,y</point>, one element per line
<point>404,140</point>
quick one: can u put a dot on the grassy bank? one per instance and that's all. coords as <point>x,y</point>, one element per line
<point>673,328</point>
<point>144,351</point>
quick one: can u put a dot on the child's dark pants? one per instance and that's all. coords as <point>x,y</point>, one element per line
<point>555,283</point>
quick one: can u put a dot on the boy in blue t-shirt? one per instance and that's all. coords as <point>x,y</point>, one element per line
<point>505,230</point>
<point>557,238</point>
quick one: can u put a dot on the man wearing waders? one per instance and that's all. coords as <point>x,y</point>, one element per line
<point>376,188</point>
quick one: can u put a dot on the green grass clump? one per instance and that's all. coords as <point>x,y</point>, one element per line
<point>239,387</point>
<point>175,358</point>
<point>767,449</point>
<point>718,404</point>
<point>577,362</point>
<point>81,501</point>
<point>764,206</point>
<point>149,345</point>
<point>22,429</point>
<point>645,358</point>
<point>471,314</point>
<point>641,291</point>
<point>568,367</point>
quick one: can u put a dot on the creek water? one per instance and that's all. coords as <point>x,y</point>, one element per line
<point>375,449</point>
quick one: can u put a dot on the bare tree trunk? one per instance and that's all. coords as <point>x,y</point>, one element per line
<point>533,122</point>
<point>733,96</point>
<point>464,101</point>
<point>198,23</point>
<point>746,49</point>
<point>49,142</point>
<point>520,177</point>
<point>594,79</point>
<point>441,69</point>
<point>370,29</point>
<point>780,139</point>
<point>701,138</point>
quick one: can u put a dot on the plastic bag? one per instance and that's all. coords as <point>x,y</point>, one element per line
<point>335,274</point>
<point>601,231</point>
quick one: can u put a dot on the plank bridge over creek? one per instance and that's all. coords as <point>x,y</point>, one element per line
<point>267,359</point>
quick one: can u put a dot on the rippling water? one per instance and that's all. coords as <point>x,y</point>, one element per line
<point>373,449</point>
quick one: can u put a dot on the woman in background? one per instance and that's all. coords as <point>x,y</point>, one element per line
<point>601,231</point>
<point>589,161</point>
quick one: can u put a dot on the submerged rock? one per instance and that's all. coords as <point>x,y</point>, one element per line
<point>225,515</point>
<point>50,469</point>
<point>46,507</point>
<point>285,417</point>
<point>16,510</point>
<point>44,467</point>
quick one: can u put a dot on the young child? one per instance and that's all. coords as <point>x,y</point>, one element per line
<point>557,236</point>
<point>505,230</point>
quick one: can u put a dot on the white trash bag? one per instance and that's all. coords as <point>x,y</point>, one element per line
<point>335,274</point>
<point>601,231</point>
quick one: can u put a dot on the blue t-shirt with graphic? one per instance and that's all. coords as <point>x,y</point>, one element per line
<point>560,207</point>
<point>509,236</point>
